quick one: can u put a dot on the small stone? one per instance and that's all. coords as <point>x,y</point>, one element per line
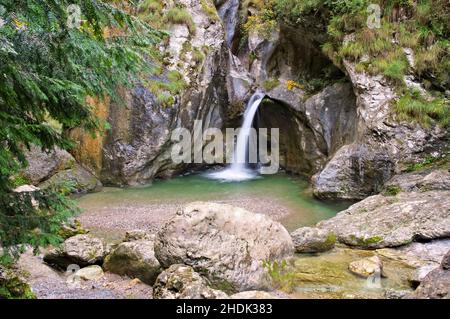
<point>26,188</point>
<point>395,294</point>
<point>93,272</point>
<point>445,264</point>
<point>366,267</point>
<point>137,234</point>
<point>135,282</point>
<point>182,282</point>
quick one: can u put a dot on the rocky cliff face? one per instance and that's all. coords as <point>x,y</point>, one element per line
<point>137,148</point>
<point>344,133</point>
<point>381,147</point>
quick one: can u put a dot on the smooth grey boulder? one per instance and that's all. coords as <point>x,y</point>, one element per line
<point>44,164</point>
<point>355,172</point>
<point>82,180</point>
<point>312,240</point>
<point>435,285</point>
<point>182,282</point>
<point>226,244</point>
<point>388,221</point>
<point>135,259</point>
<point>81,250</point>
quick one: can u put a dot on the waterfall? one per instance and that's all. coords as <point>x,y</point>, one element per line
<point>238,170</point>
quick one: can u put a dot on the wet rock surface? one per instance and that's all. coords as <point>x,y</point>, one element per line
<point>366,267</point>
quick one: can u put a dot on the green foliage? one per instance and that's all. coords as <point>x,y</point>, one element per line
<point>210,9</point>
<point>179,15</point>
<point>412,106</point>
<point>392,190</point>
<point>270,84</point>
<point>18,180</point>
<point>366,242</point>
<point>12,285</point>
<point>48,71</point>
<point>165,100</point>
<point>430,161</point>
<point>32,218</point>
<point>170,84</point>
<point>282,277</point>
<point>423,26</point>
<point>197,56</point>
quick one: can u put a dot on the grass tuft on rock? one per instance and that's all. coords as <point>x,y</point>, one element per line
<point>178,15</point>
<point>412,106</point>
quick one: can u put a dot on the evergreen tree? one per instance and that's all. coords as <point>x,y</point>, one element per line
<point>50,62</point>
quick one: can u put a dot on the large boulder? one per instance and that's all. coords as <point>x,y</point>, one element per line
<point>435,285</point>
<point>78,177</point>
<point>135,259</point>
<point>312,240</point>
<point>388,221</point>
<point>44,164</point>
<point>355,172</point>
<point>81,250</point>
<point>182,282</point>
<point>227,244</point>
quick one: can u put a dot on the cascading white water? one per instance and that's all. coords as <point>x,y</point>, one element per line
<point>238,170</point>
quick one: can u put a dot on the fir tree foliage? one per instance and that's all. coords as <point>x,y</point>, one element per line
<point>48,68</point>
